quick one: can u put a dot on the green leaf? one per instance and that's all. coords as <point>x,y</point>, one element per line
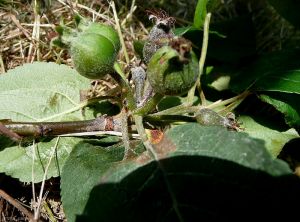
<point>41,92</point>
<point>182,30</point>
<point>221,83</point>
<point>202,173</point>
<point>274,140</point>
<point>224,145</point>
<point>286,103</point>
<point>17,161</point>
<point>277,71</point>
<point>138,46</point>
<point>289,9</point>
<point>86,164</point>
<point>200,13</point>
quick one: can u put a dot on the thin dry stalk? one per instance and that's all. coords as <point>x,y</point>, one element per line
<point>40,199</point>
<point>16,204</point>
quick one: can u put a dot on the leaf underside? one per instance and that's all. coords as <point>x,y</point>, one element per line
<point>39,92</point>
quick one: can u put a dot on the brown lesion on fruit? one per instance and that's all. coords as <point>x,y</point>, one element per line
<point>183,47</point>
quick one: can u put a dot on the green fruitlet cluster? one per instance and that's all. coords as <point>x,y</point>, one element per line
<point>93,47</point>
<point>172,66</point>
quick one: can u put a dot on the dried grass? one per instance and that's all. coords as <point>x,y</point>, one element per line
<point>25,35</point>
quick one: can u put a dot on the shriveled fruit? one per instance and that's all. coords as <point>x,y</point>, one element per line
<point>159,35</point>
<point>209,117</point>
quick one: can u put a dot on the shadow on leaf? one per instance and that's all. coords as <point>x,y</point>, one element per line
<point>5,142</point>
<point>194,188</point>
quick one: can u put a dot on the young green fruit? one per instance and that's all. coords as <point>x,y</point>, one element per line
<point>173,70</point>
<point>101,29</point>
<point>93,47</point>
<point>93,55</point>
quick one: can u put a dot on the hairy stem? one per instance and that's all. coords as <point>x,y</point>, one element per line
<point>149,105</point>
<point>176,110</point>
<point>125,135</point>
<point>120,77</point>
<point>165,119</point>
<point>141,130</point>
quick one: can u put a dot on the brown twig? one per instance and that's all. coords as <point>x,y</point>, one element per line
<point>40,129</point>
<point>7,132</point>
<point>16,204</point>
